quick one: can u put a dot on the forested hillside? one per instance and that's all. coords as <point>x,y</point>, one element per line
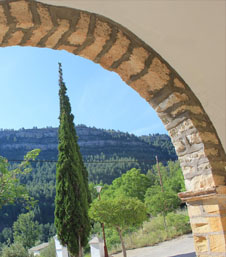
<point>107,155</point>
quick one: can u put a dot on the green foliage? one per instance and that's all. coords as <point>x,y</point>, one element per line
<point>175,179</point>
<point>158,201</point>
<point>10,187</point>
<point>93,191</point>
<point>7,235</point>
<point>107,153</point>
<point>173,183</point>
<point>153,232</point>
<point>49,251</point>
<point>119,153</point>
<point>162,141</point>
<point>104,168</point>
<point>72,195</point>
<point>178,222</point>
<point>172,176</point>
<point>119,212</point>
<point>46,231</point>
<point>40,184</point>
<point>15,250</point>
<point>131,184</point>
<point>26,230</point>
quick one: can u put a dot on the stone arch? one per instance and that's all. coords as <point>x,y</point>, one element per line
<point>92,36</point>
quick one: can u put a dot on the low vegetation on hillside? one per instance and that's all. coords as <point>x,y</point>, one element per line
<point>143,188</point>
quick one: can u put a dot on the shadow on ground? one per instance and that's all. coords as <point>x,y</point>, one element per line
<point>185,255</point>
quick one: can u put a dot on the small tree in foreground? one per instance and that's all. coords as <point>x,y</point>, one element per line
<point>161,202</point>
<point>26,230</point>
<point>119,213</point>
<point>15,250</point>
<point>10,187</point>
<point>158,201</point>
<point>131,184</point>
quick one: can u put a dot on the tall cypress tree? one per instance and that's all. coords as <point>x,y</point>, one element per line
<point>72,194</point>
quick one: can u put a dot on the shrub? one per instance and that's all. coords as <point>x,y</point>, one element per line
<point>178,222</point>
<point>15,250</point>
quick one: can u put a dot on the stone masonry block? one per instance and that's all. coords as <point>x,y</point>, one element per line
<point>200,228</point>
<point>199,182</point>
<point>193,158</point>
<point>210,255</point>
<point>55,37</point>
<point>181,128</point>
<point>209,137</point>
<point>3,27</point>
<point>217,243</point>
<point>156,78</point>
<point>119,48</point>
<point>194,138</point>
<point>212,152</point>
<point>219,165</point>
<point>210,207</point>
<point>217,224</point>
<point>219,180</point>
<point>194,210</point>
<point>214,206</point>
<point>178,83</point>
<point>171,100</point>
<point>79,36</point>
<point>134,65</point>
<point>204,167</point>
<point>221,189</point>
<point>45,26</point>
<point>67,48</point>
<point>101,35</point>
<point>15,39</point>
<point>201,243</point>
<point>193,109</point>
<point>180,146</point>
<point>222,203</point>
<point>20,10</point>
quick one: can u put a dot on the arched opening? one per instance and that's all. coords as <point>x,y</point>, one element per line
<point>101,40</point>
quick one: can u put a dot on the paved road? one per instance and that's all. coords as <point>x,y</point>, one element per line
<point>179,247</point>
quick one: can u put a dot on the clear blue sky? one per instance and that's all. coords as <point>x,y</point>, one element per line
<point>29,93</point>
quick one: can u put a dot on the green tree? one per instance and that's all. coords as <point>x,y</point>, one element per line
<point>26,230</point>
<point>119,213</point>
<point>172,176</point>
<point>158,201</point>
<point>15,250</point>
<point>72,194</point>
<point>131,184</point>
<point>7,235</point>
<point>176,178</point>
<point>10,187</point>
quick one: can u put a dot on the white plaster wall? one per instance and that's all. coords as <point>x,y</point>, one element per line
<point>189,34</point>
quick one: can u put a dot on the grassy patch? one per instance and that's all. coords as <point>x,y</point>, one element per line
<point>153,232</point>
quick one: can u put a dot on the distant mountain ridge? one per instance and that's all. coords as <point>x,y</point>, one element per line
<point>14,144</point>
<point>107,154</point>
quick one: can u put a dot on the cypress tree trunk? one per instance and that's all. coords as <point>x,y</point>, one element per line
<point>72,195</point>
<point>80,254</point>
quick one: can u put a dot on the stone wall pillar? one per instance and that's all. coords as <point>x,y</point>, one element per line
<point>207,212</point>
